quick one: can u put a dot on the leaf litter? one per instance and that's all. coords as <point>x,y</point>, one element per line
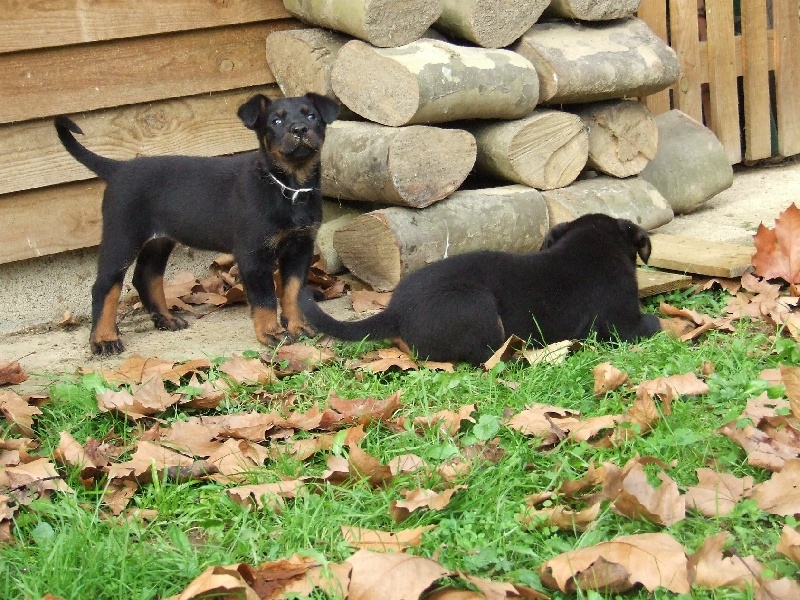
<point>228,449</point>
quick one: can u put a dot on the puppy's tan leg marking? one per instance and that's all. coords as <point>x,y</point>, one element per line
<point>162,318</point>
<point>402,345</point>
<point>265,322</point>
<point>105,330</point>
<point>290,311</point>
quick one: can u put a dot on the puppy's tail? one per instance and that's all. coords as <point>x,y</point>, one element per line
<point>377,327</point>
<point>65,127</point>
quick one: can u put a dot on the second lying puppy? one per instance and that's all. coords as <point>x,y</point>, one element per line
<point>462,308</point>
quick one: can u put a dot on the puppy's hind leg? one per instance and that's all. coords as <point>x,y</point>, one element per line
<point>106,291</point>
<point>148,279</point>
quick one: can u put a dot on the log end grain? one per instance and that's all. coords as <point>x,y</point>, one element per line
<point>368,249</point>
<point>374,86</point>
<point>592,10</point>
<point>301,60</point>
<point>428,164</point>
<point>494,24</point>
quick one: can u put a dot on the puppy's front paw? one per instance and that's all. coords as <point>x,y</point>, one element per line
<point>107,348</point>
<point>169,323</point>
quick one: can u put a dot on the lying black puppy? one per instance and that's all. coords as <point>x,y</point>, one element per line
<point>264,207</point>
<point>464,307</point>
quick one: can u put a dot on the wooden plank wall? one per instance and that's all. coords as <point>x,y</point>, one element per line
<point>139,77</point>
<point>716,56</point>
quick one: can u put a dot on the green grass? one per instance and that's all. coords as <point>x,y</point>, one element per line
<point>64,547</point>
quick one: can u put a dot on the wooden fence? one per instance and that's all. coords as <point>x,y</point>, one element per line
<point>740,70</point>
<point>141,77</point>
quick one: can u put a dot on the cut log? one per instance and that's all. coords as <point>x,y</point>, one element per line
<point>335,215</point>
<point>301,60</point>
<point>592,10</point>
<point>382,246</point>
<point>630,198</point>
<point>691,165</point>
<point>383,23</point>
<point>430,81</point>
<point>409,166</point>
<point>489,23</point>
<point>584,62</point>
<point>545,150</point>
<point>623,136</point>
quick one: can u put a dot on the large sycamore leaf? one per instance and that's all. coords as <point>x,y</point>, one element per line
<point>789,544</point>
<point>708,568</point>
<point>778,250</point>
<point>781,494</point>
<point>384,541</point>
<point>651,559</point>
<point>716,494</point>
<point>391,576</point>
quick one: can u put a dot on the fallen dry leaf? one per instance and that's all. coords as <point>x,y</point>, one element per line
<point>562,517</point>
<point>296,358</point>
<point>550,423</point>
<point>384,359</point>
<point>367,466</point>
<point>716,494</point>
<point>652,559</point>
<point>791,380</point>
<point>778,249</point>
<point>391,576</point>
<point>780,495</point>
<point>417,499</point>
<point>214,582</point>
<point>265,495</point>
<point>607,378</point>
<point>789,544</point>
<point>778,589</point>
<point>448,421</point>
<point>17,412</point>
<point>247,370</point>
<point>150,398</point>
<point>364,300</point>
<point>634,497</point>
<point>708,568</point>
<point>333,579</point>
<point>384,541</point>
<point>11,373</point>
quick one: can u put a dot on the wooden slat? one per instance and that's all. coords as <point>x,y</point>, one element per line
<point>694,255</point>
<point>724,118</point>
<point>654,13</point>
<point>91,76</point>
<point>652,282</point>
<point>787,75</point>
<point>204,125</point>
<point>702,69</point>
<point>685,38</point>
<point>29,24</point>
<point>755,61</point>
<point>50,220</point>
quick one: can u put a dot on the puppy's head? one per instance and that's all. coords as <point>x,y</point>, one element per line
<point>635,238</point>
<point>290,130</point>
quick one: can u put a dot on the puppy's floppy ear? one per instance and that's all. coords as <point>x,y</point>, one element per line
<point>555,234</point>
<point>250,111</point>
<point>327,108</point>
<point>637,237</point>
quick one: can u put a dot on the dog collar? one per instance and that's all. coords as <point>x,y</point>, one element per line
<point>285,188</point>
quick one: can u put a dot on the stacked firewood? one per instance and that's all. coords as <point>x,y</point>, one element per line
<point>474,123</point>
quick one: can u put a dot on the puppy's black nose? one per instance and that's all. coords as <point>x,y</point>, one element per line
<point>299,129</point>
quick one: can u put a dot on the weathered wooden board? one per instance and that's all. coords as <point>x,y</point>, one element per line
<point>755,83</point>
<point>654,13</point>
<point>787,75</point>
<point>694,255</point>
<point>687,92</point>
<point>50,220</point>
<point>26,25</point>
<point>722,77</point>
<point>657,282</point>
<point>91,76</point>
<point>204,125</point>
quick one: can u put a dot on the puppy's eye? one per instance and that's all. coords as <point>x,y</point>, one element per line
<point>311,117</point>
<point>277,121</point>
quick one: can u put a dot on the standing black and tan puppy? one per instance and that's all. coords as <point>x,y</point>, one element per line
<point>464,307</point>
<point>264,207</point>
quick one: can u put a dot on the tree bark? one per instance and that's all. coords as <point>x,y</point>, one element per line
<point>408,166</point>
<point>545,150</point>
<point>384,23</point>
<point>489,23</point>
<point>301,60</point>
<point>429,81</point>
<point>630,198</point>
<point>584,62</point>
<point>335,215</point>
<point>623,136</point>
<point>691,165</point>
<point>382,246</point>
<point>592,10</point>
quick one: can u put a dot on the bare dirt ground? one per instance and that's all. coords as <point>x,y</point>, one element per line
<point>45,352</point>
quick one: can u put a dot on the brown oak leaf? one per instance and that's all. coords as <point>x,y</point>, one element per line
<point>778,249</point>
